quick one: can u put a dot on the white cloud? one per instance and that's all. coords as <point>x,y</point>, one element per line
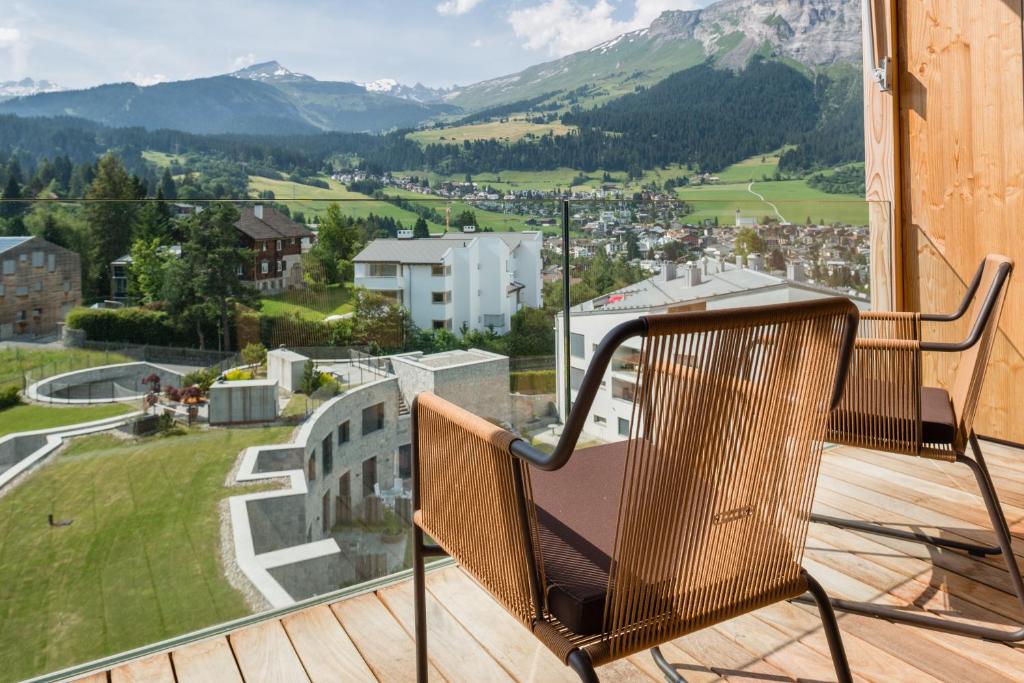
<point>456,7</point>
<point>147,79</point>
<point>477,43</point>
<point>17,45</point>
<point>243,61</point>
<point>565,26</point>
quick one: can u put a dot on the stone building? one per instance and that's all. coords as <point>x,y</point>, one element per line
<point>39,283</point>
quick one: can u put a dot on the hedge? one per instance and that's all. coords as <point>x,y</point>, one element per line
<point>128,325</point>
<point>532,382</point>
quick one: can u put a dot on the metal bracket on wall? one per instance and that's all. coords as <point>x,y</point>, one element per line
<point>879,68</point>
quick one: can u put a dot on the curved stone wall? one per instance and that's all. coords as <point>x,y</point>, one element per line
<point>104,384</point>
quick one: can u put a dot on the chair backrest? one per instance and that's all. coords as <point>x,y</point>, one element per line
<point>725,442</point>
<point>970,373</point>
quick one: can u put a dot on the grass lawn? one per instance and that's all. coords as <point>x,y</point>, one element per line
<point>308,304</point>
<point>795,200</point>
<point>161,159</point>
<point>140,563</point>
<point>28,417</point>
<point>508,131</point>
<point>16,360</point>
<point>315,200</point>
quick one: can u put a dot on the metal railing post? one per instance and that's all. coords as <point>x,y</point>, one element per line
<point>566,281</point>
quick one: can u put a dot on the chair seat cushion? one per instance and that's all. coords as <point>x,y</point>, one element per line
<point>577,512</point>
<point>938,422</point>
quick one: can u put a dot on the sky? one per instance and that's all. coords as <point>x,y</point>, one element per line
<point>81,43</point>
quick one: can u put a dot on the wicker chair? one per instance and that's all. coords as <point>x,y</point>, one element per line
<point>886,408</point>
<point>700,516</point>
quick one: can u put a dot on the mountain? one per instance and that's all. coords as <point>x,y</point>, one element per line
<point>416,93</point>
<point>263,99</point>
<point>26,86</point>
<point>812,35</point>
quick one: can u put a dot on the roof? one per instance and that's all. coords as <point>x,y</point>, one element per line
<point>423,250</point>
<point>654,291</point>
<point>274,225</point>
<point>12,242</point>
<point>512,239</point>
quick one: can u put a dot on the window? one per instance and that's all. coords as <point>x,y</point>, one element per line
<point>20,317</point>
<point>280,266</point>
<point>373,418</point>
<point>383,269</point>
<point>38,259</point>
<point>238,271</point>
<point>405,461</point>
<point>21,290</point>
<point>51,262</point>
<point>441,324</point>
<point>575,378</point>
<point>279,245</point>
<point>623,427</point>
<point>598,419</point>
<point>264,246</point>
<point>441,297</point>
<point>311,467</point>
<point>9,266</point>
<point>67,285</point>
<point>576,345</point>
<point>343,433</point>
<point>37,286</point>
<point>369,477</point>
<point>264,267</point>
<point>37,313</point>
<point>2,292</point>
<point>440,270</point>
<point>328,449</point>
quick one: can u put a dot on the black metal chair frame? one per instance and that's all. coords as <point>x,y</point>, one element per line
<point>578,660</point>
<point>988,492</point>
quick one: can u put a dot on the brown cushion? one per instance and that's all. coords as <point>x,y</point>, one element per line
<point>577,513</point>
<point>938,423</point>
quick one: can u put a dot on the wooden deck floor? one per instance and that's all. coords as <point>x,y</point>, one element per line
<point>368,637</point>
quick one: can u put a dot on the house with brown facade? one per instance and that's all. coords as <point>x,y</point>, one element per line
<point>39,283</point>
<point>276,243</point>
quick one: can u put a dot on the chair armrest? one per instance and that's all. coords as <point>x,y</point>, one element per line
<point>470,498</point>
<point>881,404</point>
<point>889,325</point>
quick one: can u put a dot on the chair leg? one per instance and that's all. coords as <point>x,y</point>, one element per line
<point>1003,536</point>
<point>832,633</point>
<point>420,600</point>
<point>879,530</point>
<point>671,675</point>
<point>579,661</point>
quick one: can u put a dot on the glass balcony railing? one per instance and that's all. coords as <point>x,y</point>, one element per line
<point>214,416</point>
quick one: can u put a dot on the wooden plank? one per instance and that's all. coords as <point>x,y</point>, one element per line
<point>384,645</point>
<point>942,655</point>
<point>208,661</point>
<point>265,654</point>
<point>882,167</point>
<point>152,669</point>
<point>866,659</point>
<point>98,677</point>
<point>962,171</point>
<point>325,649</point>
<point>688,666</point>
<point>724,657</point>
<point>450,647</point>
<point>504,638</point>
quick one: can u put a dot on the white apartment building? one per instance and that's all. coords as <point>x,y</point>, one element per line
<point>476,279</point>
<point>707,285</point>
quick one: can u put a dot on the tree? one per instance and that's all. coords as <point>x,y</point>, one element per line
<point>254,353</point>
<point>10,207</point>
<point>155,221</point>
<point>111,216</point>
<point>747,242</point>
<point>379,321</point>
<point>466,217</point>
<point>148,271</point>
<point>421,229</point>
<point>167,186</point>
<point>532,333</point>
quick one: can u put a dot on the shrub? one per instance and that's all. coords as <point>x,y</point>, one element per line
<point>237,375</point>
<point>9,397</point>
<point>311,379</point>
<point>254,354</point>
<point>172,394</point>
<point>201,378</point>
<point>129,325</point>
<point>533,382</point>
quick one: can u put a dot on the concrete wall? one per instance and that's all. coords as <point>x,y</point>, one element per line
<point>527,407</point>
<point>286,368</point>
<point>103,384</point>
<point>479,384</point>
<point>243,402</point>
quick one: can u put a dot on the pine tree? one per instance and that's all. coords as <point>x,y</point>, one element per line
<point>421,229</point>
<point>111,215</point>
<point>167,186</point>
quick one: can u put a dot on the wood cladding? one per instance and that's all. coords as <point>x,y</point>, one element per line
<point>961,168</point>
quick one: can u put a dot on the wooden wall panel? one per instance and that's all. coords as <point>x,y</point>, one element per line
<point>881,155</point>
<point>961,168</point>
